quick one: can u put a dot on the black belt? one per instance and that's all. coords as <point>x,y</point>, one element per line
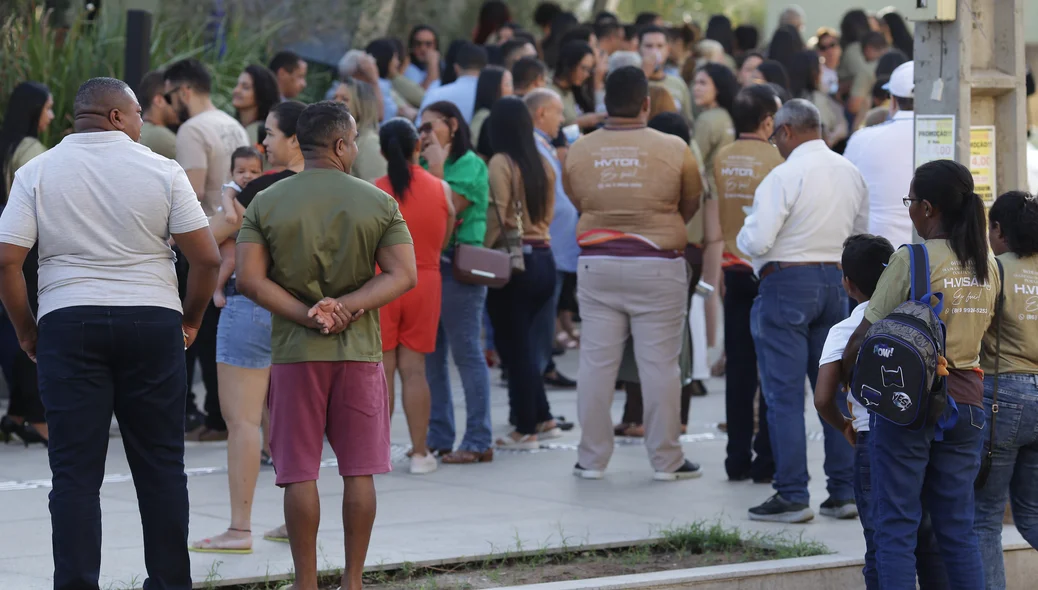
<point>772,267</point>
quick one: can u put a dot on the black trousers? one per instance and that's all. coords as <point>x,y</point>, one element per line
<point>512,312</point>
<point>93,362</point>
<point>741,382</point>
<point>203,351</point>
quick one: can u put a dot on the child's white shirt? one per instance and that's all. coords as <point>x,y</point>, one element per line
<point>835,343</point>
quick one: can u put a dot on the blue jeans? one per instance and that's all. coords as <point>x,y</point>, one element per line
<point>1014,470</point>
<point>789,321</point>
<point>93,362</point>
<point>928,565</point>
<point>459,333</point>
<point>910,468</point>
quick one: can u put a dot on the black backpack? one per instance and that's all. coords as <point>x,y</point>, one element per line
<point>896,376</point>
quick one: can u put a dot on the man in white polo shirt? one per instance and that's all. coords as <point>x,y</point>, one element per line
<point>111,335</point>
<point>802,212</point>
<point>883,155</point>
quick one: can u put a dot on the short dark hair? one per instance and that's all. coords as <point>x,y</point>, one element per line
<point>904,103</point>
<point>606,28</point>
<point>192,72</point>
<point>285,60</point>
<point>418,29</point>
<point>470,56</point>
<point>645,18</point>
<point>649,30</point>
<point>545,12</point>
<point>625,92</point>
<point>630,32</point>
<point>321,124</point>
<point>746,37</point>
<point>752,106</point>
<point>875,40</point>
<point>98,92</point>
<point>245,151</point>
<point>151,85</point>
<point>606,16</point>
<point>383,50</point>
<point>512,45</point>
<point>672,124</point>
<point>865,257</point>
<point>577,33</point>
<point>526,71</point>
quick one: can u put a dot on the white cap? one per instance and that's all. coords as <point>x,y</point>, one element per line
<point>902,81</point>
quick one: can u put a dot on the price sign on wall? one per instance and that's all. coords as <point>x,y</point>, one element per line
<point>982,162</point>
<point>934,138</point>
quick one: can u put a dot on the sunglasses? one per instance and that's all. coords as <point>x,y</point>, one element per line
<point>169,95</point>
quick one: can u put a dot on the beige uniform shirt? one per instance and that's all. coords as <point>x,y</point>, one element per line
<point>739,168</point>
<point>1019,319</point>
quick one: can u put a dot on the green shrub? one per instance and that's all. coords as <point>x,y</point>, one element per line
<point>31,48</point>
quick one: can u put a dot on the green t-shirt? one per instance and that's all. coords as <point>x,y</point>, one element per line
<point>467,176</point>
<point>159,139</point>
<point>322,228</point>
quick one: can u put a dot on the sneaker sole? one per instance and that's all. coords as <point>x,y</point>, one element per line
<point>677,476</point>
<point>799,516</point>
<point>846,512</point>
<point>588,473</point>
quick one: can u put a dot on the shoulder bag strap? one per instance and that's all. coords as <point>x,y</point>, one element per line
<point>999,305</point>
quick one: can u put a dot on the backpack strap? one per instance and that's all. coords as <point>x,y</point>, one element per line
<point>920,290</point>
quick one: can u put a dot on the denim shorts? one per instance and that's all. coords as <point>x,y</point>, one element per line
<point>243,334</point>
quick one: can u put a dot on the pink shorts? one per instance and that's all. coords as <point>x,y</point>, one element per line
<point>347,400</point>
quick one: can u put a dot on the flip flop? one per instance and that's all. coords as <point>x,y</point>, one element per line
<point>229,551</point>
<point>272,535</point>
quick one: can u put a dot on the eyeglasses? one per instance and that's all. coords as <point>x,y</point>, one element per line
<point>908,201</point>
<point>169,95</point>
<point>427,127</point>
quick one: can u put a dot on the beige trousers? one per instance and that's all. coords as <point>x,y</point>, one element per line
<point>646,298</point>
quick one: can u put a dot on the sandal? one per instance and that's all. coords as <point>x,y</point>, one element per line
<point>463,457</point>
<point>566,341</point>
<point>278,535</point>
<point>229,546</point>
<point>548,430</point>
<point>525,442</point>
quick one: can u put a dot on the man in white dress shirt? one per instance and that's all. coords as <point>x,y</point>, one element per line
<point>802,213</point>
<point>883,155</point>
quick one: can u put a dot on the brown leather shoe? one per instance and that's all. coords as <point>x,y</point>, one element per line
<point>461,457</point>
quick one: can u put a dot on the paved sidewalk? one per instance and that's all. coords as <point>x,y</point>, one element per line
<point>521,500</point>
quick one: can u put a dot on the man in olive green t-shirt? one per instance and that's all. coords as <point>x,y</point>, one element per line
<point>158,116</point>
<point>307,252</point>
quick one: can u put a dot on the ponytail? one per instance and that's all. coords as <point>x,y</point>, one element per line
<point>398,138</point>
<point>948,186</point>
<point>1016,214</point>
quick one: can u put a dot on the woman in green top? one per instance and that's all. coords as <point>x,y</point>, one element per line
<point>29,112</point>
<point>447,152</point>
<point>1009,357</point>
<point>253,97</point>
<point>369,164</point>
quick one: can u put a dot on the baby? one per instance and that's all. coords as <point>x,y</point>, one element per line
<point>246,166</point>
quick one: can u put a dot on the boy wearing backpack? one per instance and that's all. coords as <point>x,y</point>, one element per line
<point>864,258</point>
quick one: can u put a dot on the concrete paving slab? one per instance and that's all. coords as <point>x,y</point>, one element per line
<point>520,501</point>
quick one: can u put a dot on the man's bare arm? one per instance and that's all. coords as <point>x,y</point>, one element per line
<point>14,295</point>
<point>252,263</point>
<point>197,178</point>
<point>399,275</point>
<point>203,257</point>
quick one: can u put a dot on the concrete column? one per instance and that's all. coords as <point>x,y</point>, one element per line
<point>979,58</point>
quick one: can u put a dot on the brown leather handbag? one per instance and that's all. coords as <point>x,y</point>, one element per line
<point>475,265</point>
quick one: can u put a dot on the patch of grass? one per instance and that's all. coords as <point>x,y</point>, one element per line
<point>698,543</point>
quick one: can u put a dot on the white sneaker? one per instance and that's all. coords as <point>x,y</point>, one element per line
<point>422,464</point>
<point>587,473</point>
